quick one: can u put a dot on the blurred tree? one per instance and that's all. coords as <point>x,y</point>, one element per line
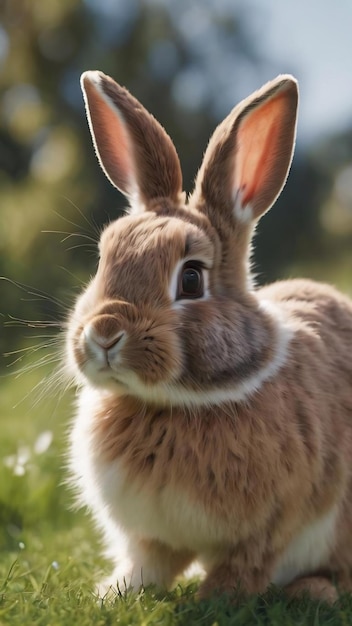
<point>189,63</point>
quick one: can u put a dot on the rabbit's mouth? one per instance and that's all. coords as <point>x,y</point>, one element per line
<point>107,371</point>
<point>108,375</point>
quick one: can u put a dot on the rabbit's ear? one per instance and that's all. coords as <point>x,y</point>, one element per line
<point>134,151</point>
<point>248,157</point>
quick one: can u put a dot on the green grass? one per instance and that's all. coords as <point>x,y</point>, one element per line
<point>50,555</point>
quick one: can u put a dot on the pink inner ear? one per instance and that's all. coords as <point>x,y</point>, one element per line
<point>261,148</point>
<point>110,139</point>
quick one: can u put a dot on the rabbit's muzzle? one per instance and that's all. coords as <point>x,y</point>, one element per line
<point>117,341</point>
<point>104,334</point>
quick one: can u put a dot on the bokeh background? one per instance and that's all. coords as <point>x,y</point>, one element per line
<point>189,62</point>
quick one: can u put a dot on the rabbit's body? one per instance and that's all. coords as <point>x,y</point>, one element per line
<point>202,480</point>
<point>215,420</point>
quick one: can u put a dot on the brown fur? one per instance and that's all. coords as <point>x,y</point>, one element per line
<point>263,467</point>
<point>243,453</point>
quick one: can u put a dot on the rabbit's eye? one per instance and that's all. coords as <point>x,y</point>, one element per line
<point>191,282</point>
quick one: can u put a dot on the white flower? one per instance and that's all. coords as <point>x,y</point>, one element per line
<point>43,442</point>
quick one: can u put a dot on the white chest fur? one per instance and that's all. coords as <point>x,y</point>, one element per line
<point>169,516</point>
<point>166,515</point>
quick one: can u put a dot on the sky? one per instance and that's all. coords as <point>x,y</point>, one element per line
<point>310,38</point>
<point>313,40</point>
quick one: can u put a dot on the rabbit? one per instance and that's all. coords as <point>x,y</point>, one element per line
<point>214,418</point>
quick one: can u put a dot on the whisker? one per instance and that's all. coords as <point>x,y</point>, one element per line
<point>41,387</point>
<point>32,291</point>
<point>19,323</point>
<point>70,235</point>
<point>21,357</point>
<point>55,383</point>
<point>65,219</point>
<point>58,382</point>
<point>79,280</point>
<point>82,245</point>
<point>29,349</point>
<point>51,338</point>
<point>47,360</point>
<point>92,225</point>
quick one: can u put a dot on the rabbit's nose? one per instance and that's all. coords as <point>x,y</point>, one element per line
<point>100,336</point>
<point>91,336</point>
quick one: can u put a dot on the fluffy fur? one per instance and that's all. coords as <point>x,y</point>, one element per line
<point>218,427</point>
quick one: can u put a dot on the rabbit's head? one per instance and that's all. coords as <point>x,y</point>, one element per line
<point>171,314</point>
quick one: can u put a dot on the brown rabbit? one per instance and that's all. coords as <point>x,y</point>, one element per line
<point>214,420</point>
